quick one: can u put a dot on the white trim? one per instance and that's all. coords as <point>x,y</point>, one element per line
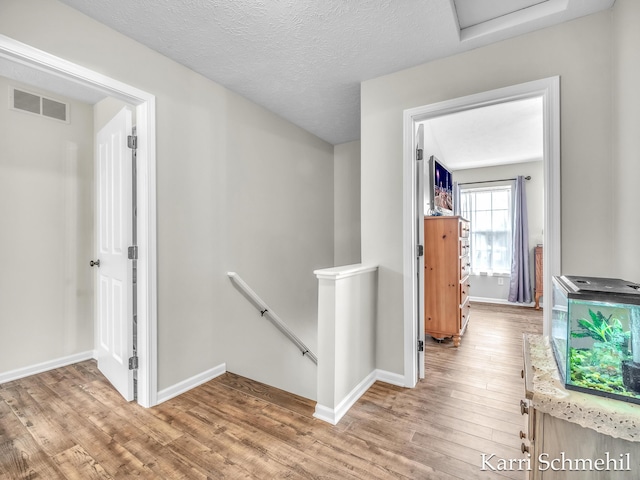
<point>500,301</point>
<point>390,378</point>
<point>345,271</point>
<point>46,366</point>
<point>146,130</point>
<point>334,415</point>
<point>190,383</point>
<point>549,90</point>
<point>534,13</point>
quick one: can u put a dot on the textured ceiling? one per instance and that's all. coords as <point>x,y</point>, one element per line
<point>305,59</point>
<point>495,135</point>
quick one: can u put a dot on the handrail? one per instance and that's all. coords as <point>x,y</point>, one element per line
<point>266,311</point>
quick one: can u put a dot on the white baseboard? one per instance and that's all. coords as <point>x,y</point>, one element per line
<point>390,377</point>
<point>45,366</point>
<point>334,415</point>
<point>500,301</point>
<point>189,383</point>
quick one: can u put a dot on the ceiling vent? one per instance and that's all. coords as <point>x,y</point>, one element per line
<point>38,105</point>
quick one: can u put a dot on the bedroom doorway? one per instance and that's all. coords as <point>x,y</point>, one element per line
<point>49,68</point>
<point>548,91</point>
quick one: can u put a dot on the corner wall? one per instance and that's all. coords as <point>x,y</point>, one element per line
<point>580,53</point>
<point>347,203</point>
<point>626,145</point>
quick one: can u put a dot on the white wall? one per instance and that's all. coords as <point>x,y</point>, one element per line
<point>347,203</point>
<point>46,207</point>
<point>487,286</point>
<point>626,146</point>
<point>238,189</point>
<point>580,52</point>
<point>346,338</point>
<point>277,211</point>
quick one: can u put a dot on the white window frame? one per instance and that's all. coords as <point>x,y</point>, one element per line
<point>493,188</point>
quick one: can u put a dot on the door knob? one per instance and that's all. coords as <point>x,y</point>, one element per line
<point>94,264</point>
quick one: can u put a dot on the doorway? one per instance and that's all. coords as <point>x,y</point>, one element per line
<point>546,89</point>
<point>56,68</point>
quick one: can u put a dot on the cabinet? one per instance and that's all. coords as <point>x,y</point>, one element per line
<point>538,257</point>
<point>560,448</point>
<point>446,277</point>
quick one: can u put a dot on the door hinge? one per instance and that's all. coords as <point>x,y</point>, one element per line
<point>419,154</point>
<point>421,345</point>
<point>133,363</point>
<point>132,141</point>
<point>420,250</point>
<point>132,252</point>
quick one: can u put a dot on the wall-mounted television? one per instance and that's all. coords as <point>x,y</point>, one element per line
<point>440,188</point>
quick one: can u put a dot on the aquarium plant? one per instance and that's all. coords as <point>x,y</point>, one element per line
<point>599,367</point>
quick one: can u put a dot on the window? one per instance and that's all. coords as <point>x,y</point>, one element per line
<point>490,212</point>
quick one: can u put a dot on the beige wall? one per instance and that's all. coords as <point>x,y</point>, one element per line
<point>238,188</point>
<point>46,198</point>
<point>347,203</point>
<point>626,145</point>
<point>580,53</point>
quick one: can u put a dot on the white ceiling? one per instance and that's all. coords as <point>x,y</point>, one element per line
<point>305,59</point>
<point>494,135</point>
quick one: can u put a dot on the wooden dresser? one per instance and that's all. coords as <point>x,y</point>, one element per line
<point>538,256</point>
<point>446,277</point>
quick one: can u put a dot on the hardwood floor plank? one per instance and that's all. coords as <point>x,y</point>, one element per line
<point>287,400</point>
<point>76,464</point>
<point>160,460</point>
<point>207,461</point>
<point>27,410</point>
<point>21,458</point>
<point>139,417</point>
<point>73,417</point>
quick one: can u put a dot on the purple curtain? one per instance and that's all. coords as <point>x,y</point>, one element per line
<point>520,286</point>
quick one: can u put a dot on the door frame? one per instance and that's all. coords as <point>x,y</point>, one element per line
<point>549,90</point>
<point>144,102</point>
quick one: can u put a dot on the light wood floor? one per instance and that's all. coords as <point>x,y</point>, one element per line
<point>70,424</point>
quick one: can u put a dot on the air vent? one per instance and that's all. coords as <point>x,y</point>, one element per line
<point>38,105</point>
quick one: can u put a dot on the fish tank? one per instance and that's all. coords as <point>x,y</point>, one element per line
<point>595,335</point>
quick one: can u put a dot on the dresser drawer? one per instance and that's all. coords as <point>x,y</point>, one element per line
<point>464,229</point>
<point>465,266</point>
<point>464,291</point>
<point>465,311</point>
<point>464,247</point>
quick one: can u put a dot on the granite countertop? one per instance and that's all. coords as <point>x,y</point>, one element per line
<point>611,417</point>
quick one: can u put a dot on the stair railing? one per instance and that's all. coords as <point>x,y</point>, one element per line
<point>266,312</point>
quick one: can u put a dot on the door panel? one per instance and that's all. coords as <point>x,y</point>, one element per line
<point>114,231</point>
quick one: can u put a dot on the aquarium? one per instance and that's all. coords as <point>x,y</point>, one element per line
<point>595,335</point>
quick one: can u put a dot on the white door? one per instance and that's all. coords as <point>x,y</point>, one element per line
<point>420,242</point>
<point>114,305</point>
